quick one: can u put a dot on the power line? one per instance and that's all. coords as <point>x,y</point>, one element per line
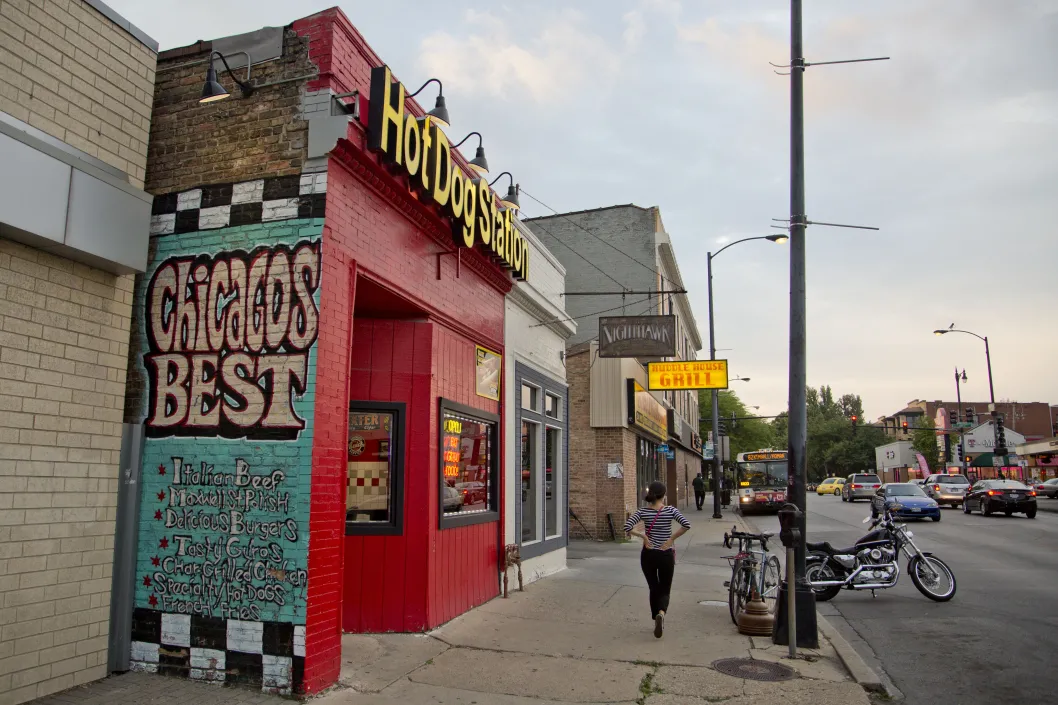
<point>566,245</point>
<point>595,313</point>
<point>652,270</point>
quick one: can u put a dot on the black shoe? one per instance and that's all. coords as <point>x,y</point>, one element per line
<point>659,625</point>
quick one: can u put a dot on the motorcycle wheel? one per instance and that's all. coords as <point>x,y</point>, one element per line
<point>819,570</point>
<point>928,573</point>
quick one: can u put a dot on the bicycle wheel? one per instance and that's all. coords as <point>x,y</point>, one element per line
<point>736,591</point>
<point>771,577</point>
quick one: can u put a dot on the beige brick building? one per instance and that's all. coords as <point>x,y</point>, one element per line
<point>76,87</point>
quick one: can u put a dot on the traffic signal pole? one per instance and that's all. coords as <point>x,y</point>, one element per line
<point>716,396</point>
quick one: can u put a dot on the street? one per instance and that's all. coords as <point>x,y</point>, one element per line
<point>993,643</point>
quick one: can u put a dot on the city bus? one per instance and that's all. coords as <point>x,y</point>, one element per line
<point>760,480</point>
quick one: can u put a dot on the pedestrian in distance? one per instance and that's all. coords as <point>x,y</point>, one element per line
<point>658,558</point>
<point>699,491</point>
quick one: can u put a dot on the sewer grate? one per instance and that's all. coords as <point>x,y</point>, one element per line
<point>713,603</point>
<point>754,670</point>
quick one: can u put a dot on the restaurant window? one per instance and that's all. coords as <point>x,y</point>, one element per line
<point>469,455</point>
<point>374,495</point>
<point>530,479</point>
<point>541,463</point>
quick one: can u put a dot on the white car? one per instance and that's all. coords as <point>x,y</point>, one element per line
<point>947,489</point>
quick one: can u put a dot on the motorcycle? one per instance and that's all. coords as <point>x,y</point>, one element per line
<point>872,564</point>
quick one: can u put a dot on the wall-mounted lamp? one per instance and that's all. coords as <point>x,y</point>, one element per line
<point>511,199</point>
<point>439,112</point>
<point>212,91</point>
<point>479,163</point>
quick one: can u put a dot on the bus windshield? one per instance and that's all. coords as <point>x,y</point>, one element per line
<point>767,474</point>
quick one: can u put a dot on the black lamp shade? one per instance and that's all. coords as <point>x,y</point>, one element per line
<point>479,163</point>
<point>511,199</point>
<point>440,112</point>
<point>211,89</point>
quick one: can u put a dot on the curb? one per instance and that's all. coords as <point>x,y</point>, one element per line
<point>863,674</point>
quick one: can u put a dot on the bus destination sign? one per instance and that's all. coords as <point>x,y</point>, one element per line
<point>769,455</point>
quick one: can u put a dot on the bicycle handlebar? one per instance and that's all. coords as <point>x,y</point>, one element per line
<point>736,534</point>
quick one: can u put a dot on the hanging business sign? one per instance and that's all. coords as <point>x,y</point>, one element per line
<point>637,336</point>
<point>695,374</point>
<point>646,412</point>
<point>487,373</point>
<point>422,151</point>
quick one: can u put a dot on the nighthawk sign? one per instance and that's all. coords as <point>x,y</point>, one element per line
<point>637,336</point>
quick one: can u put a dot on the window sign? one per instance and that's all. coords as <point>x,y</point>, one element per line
<point>374,468</point>
<point>468,465</point>
<point>487,373</point>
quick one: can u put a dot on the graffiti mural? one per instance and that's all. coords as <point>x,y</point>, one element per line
<point>228,341</point>
<point>226,323</point>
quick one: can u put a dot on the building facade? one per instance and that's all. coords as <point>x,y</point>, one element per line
<point>318,361</point>
<point>536,329</point>
<point>76,83</point>
<point>1034,420</point>
<point>622,435</point>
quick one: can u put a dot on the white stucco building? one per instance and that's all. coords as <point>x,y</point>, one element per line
<point>536,426</point>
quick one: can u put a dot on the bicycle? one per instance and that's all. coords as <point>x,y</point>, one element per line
<point>746,574</point>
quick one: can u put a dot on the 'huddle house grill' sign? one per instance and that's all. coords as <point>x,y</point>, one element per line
<point>424,153</point>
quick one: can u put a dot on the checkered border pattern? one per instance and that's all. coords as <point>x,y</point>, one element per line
<point>225,651</point>
<point>245,203</point>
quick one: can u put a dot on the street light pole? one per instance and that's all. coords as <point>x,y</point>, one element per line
<point>988,355</point>
<point>958,411</point>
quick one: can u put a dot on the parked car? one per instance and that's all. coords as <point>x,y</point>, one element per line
<point>860,486</point>
<point>947,489</point>
<point>453,499</point>
<point>831,485</point>
<point>1047,488</point>
<point>475,494</point>
<point>1007,496</point>
<point>904,500</point>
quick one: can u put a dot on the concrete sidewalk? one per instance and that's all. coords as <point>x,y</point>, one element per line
<point>582,636</point>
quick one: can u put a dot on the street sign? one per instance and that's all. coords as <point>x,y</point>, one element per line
<point>663,448</point>
<point>707,453</point>
<point>671,455</point>
<point>694,374</point>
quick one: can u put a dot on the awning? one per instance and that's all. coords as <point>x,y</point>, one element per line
<point>984,460</point>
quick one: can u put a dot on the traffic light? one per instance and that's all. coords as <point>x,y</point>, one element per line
<point>733,424</point>
<point>969,414</point>
<point>966,459</point>
<point>904,427</point>
<point>854,420</point>
<point>722,427</point>
<point>1001,436</point>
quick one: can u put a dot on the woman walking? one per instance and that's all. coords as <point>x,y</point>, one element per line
<point>658,558</point>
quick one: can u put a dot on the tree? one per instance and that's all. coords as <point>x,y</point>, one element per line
<point>746,434</point>
<point>924,440</point>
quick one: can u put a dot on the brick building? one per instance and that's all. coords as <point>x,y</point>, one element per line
<point>76,82</point>
<point>316,360</point>
<point>618,429</point>
<point>1034,420</point>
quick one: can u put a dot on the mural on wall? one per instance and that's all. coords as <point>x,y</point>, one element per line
<point>228,321</point>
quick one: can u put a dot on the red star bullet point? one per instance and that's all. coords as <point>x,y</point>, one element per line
<point>152,601</point>
<point>161,469</point>
<point>158,514</point>
<point>146,581</point>
<point>161,496</point>
<point>156,561</point>
<point>164,543</point>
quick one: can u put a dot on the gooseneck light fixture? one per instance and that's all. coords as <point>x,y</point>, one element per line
<point>439,114</point>
<point>511,199</point>
<point>479,163</point>
<point>212,91</point>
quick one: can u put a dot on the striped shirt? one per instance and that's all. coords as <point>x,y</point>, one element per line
<point>659,531</point>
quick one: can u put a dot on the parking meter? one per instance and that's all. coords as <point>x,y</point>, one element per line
<point>789,518</point>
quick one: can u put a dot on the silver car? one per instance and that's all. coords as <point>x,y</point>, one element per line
<point>947,489</point>
<point>860,486</point>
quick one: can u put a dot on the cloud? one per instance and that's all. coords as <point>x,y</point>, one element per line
<point>560,58</point>
<point>635,28</point>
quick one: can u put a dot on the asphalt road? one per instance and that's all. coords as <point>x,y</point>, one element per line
<point>994,642</point>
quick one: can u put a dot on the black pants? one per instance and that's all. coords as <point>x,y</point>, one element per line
<point>699,499</point>
<point>658,567</point>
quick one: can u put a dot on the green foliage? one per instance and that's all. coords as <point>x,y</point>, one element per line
<point>924,440</point>
<point>834,447</point>
<point>747,434</point>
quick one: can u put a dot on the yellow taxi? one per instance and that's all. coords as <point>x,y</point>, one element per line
<point>831,485</point>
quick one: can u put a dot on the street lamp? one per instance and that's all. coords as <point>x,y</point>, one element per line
<point>778,239</point>
<point>958,410</point>
<point>988,356</point>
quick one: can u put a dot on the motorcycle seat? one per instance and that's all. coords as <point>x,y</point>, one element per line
<point>826,548</point>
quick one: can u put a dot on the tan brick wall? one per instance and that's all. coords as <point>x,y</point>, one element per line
<point>64,330</point>
<point>72,73</point>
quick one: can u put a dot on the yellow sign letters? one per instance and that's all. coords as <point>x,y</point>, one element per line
<point>696,374</point>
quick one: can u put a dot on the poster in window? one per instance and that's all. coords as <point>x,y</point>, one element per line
<point>487,373</point>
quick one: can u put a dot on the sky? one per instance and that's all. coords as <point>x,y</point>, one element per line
<point>950,148</point>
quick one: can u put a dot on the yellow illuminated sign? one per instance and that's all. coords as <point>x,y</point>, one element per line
<point>695,374</point>
<point>422,150</point>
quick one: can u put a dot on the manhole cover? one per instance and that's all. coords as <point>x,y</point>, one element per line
<point>713,603</point>
<point>754,670</point>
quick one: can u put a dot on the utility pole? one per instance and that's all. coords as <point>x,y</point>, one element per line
<point>807,635</point>
<point>716,396</point>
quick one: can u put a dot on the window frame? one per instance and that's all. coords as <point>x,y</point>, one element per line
<point>395,526</point>
<point>547,385</point>
<point>447,521</point>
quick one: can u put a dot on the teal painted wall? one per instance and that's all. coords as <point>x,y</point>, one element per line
<point>227,397</point>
